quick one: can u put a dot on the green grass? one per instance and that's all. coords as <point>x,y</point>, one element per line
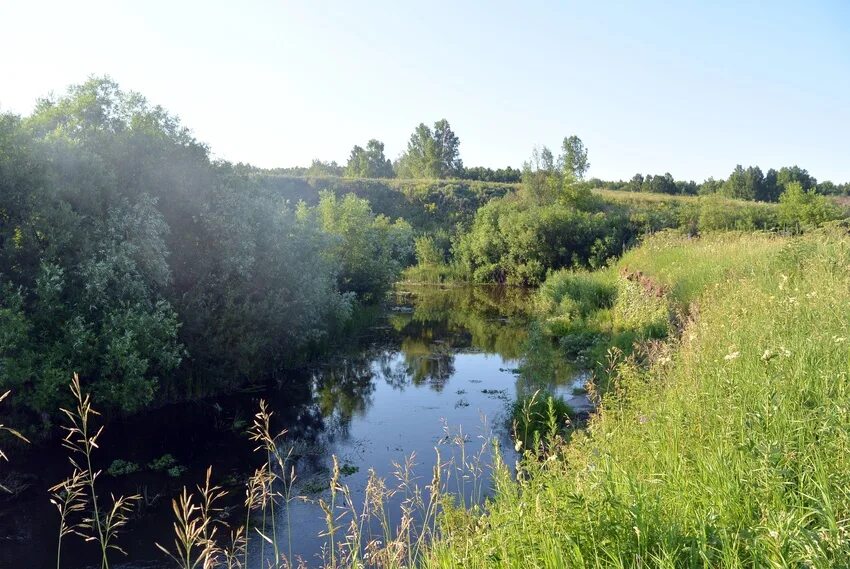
<point>538,416</point>
<point>728,446</point>
<point>431,274</point>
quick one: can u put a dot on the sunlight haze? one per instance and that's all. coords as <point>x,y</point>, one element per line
<point>691,87</point>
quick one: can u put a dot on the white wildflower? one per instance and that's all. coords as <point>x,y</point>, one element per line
<point>732,356</point>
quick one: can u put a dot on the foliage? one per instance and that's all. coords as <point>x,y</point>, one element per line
<point>120,467</point>
<point>800,207</point>
<point>431,153</point>
<point>514,242</point>
<point>428,205</point>
<point>576,293</point>
<point>538,417</point>
<point>575,157</point>
<point>369,163</point>
<point>507,175</point>
<point>370,250</point>
<point>128,256</point>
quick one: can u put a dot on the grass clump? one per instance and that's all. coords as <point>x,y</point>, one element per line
<point>539,417</point>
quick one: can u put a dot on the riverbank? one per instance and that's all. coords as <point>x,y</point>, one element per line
<point>726,445</point>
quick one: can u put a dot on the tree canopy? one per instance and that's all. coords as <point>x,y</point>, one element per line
<point>369,162</point>
<point>431,153</point>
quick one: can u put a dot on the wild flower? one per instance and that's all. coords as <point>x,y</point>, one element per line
<point>732,356</point>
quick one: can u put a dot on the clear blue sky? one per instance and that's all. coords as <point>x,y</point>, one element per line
<point>687,87</point>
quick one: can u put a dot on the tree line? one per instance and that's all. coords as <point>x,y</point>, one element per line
<point>432,153</point>
<point>749,183</point>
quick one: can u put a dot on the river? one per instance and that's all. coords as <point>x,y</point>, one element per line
<point>437,370</point>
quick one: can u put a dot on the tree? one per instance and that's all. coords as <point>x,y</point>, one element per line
<point>128,256</point>
<point>431,153</point>
<point>789,174</point>
<point>636,183</point>
<point>710,186</point>
<point>770,188</point>
<point>541,180</point>
<point>480,173</point>
<point>575,157</point>
<point>447,148</point>
<point>369,250</point>
<point>320,168</point>
<point>369,163</point>
<point>744,184</point>
<point>661,184</point>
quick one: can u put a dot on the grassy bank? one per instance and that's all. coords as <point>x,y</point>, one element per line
<point>727,445</point>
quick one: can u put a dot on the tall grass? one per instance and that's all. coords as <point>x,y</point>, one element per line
<point>391,528</point>
<point>729,449</point>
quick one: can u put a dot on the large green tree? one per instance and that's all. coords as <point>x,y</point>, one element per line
<point>432,153</point>
<point>369,162</point>
<point>575,157</point>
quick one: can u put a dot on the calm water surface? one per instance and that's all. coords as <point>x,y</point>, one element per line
<point>439,366</point>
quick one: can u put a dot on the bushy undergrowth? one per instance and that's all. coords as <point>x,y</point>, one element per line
<point>518,240</point>
<point>728,447</point>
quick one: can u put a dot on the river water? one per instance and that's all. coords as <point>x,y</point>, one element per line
<point>438,370</point>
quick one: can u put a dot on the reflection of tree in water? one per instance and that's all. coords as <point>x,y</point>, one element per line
<point>491,319</point>
<point>343,391</point>
<point>395,371</point>
<point>428,363</point>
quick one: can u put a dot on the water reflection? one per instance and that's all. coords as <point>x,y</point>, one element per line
<point>438,357</point>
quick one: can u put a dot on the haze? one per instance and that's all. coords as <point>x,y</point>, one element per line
<point>690,88</point>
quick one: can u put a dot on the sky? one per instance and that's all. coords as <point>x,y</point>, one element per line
<point>651,86</point>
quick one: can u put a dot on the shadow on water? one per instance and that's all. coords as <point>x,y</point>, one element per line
<point>437,362</point>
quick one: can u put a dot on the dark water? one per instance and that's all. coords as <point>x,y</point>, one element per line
<point>439,363</point>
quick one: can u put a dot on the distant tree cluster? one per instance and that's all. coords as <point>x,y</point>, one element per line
<point>743,183</point>
<point>505,175</point>
<point>432,153</point>
<point>546,179</point>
